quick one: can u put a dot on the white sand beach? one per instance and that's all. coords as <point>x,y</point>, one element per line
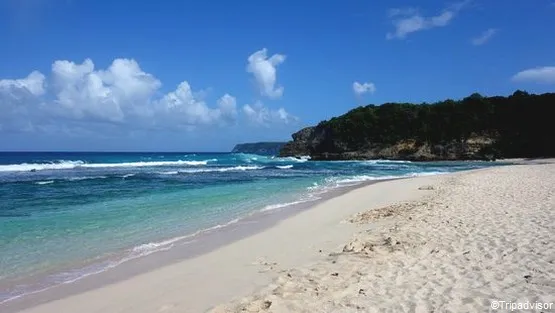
<point>450,243</point>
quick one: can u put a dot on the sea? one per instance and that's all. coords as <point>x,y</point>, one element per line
<point>69,215</point>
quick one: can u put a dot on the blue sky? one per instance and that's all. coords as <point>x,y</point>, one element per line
<point>204,75</point>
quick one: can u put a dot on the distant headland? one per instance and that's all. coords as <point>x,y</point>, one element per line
<point>262,148</point>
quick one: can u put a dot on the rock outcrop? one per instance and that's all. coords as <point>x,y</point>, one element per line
<point>301,144</point>
<point>477,148</point>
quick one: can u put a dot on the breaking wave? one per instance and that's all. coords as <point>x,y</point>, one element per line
<point>67,165</point>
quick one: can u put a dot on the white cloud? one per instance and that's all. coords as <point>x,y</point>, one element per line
<point>362,88</point>
<point>545,75</point>
<point>33,84</point>
<point>402,11</point>
<point>258,114</point>
<point>20,101</point>
<point>183,108</point>
<point>228,107</point>
<point>442,20</point>
<point>409,20</point>
<point>114,94</point>
<point>484,37</point>
<point>264,70</point>
<point>123,94</point>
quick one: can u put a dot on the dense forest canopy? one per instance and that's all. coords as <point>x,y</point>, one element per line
<point>520,125</point>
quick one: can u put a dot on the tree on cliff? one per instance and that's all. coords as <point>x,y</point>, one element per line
<point>519,125</point>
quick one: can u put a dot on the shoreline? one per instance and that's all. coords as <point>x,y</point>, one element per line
<point>480,241</point>
<point>134,270</point>
<point>184,248</point>
<point>244,250</point>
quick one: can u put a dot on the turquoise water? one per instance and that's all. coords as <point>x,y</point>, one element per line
<point>64,216</point>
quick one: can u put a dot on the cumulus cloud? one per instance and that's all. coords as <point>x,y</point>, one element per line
<point>32,84</point>
<point>183,108</point>
<point>362,88</point>
<point>264,70</point>
<point>111,94</point>
<point>409,20</point>
<point>484,37</point>
<point>544,75</point>
<point>259,114</point>
<point>20,101</point>
<point>123,94</point>
<point>227,105</point>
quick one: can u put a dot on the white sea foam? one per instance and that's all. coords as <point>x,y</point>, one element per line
<point>169,173</point>
<point>353,180</point>
<point>317,189</point>
<point>145,164</point>
<point>65,165</point>
<point>26,167</point>
<point>46,182</point>
<point>386,161</point>
<point>284,166</point>
<point>215,169</point>
<point>151,247</point>
<point>314,186</point>
<point>300,159</point>
<point>86,178</point>
<point>272,207</point>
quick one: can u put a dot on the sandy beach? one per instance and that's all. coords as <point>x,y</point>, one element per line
<point>448,243</point>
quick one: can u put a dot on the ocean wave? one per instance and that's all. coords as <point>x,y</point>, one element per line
<point>146,164</point>
<point>315,186</point>
<point>386,161</point>
<point>66,165</point>
<point>46,182</point>
<point>255,158</point>
<point>318,189</point>
<point>27,167</point>
<point>300,159</point>
<point>363,178</point>
<point>215,169</point>
<point>78,178</point>
<point>249,158</point>
<point>272,207</point>
<point>284,167</point>
<point>151,247</point>
<point>168,173</point>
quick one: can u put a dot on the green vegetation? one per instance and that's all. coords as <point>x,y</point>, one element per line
<point>520,125</point>
<point>262,148</point>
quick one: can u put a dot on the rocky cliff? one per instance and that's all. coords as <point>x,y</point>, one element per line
<point>312,141</point>
<point>263,148</point>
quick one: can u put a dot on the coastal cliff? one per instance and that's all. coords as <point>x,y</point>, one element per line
<point>475,128</point>
<point>263,148</point>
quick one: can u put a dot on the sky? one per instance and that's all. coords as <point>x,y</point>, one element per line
<point>97,75</point>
